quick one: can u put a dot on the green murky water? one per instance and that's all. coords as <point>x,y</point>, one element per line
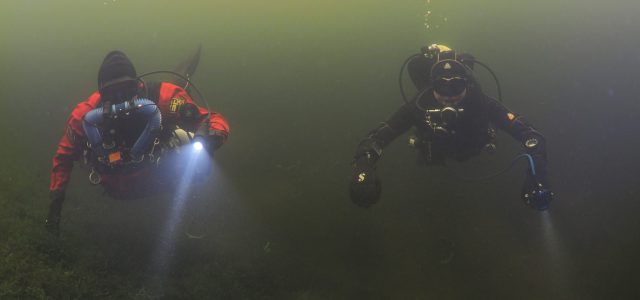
<point>301,82</point>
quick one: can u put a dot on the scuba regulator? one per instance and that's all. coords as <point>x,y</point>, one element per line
<point>441,121</point>
<point>434,140</point>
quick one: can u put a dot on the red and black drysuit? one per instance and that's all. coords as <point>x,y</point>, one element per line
<point>72,144</point>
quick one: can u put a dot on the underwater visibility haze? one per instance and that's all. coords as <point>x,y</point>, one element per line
<point>301,82</point>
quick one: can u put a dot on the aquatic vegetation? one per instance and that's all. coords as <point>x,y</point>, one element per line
<point>37,265</point>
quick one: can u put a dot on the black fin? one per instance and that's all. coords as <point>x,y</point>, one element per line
<point>187,68</point>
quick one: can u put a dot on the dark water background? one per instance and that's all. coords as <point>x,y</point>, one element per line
<point>301,82</point>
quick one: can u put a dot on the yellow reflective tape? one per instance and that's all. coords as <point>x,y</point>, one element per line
<point>175,104</point>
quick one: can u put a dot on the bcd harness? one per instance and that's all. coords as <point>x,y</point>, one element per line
<point>105,151</point>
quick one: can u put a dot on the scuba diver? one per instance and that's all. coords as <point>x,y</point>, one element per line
<point>133,135</point>
<point>453,119</point>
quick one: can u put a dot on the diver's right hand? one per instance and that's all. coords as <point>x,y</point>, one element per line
<point>52,223</point>
<point>365,187</point>
<point>536,195</point>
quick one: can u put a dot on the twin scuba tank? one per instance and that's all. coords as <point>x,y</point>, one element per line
<point>123,134</point>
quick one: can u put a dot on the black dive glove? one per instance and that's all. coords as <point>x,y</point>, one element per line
<point>365,186</point>
<point>535,190</point>
<point>536,195</point>
<point>214,141</point>
<point>211,139</point>
<point>52,223</point>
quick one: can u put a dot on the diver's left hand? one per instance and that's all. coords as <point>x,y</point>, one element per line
<point>52,223</point>
<point>211,141</point>
<point>536,195</point>
<point>214,142</point>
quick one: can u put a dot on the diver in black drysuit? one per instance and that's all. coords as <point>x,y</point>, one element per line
<point>453,119</point>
